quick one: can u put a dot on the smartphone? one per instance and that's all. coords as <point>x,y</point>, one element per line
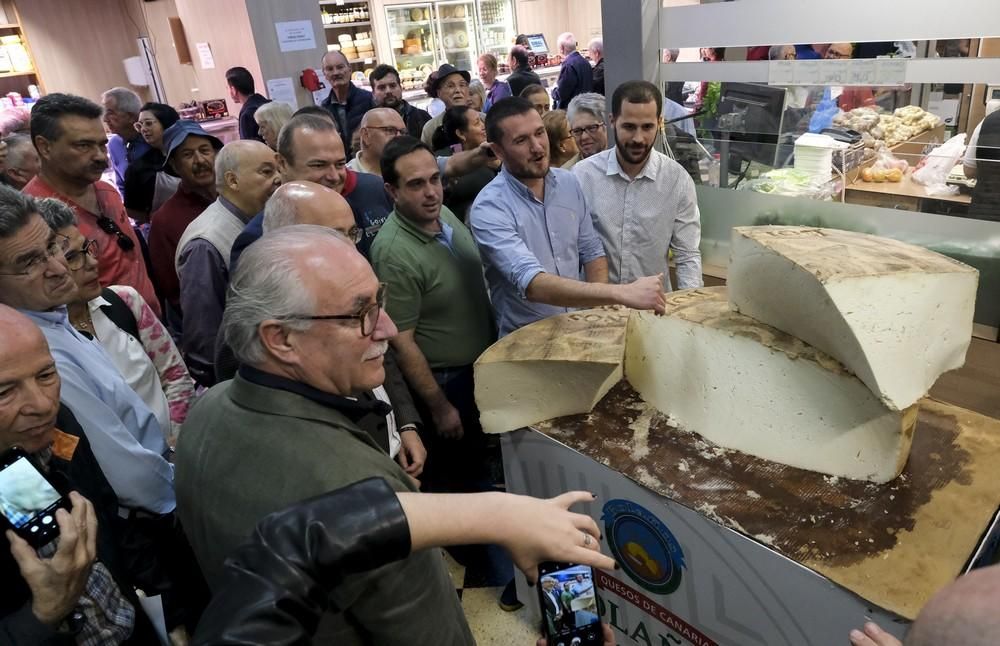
<point>568,599</point>
<point>28,501</point>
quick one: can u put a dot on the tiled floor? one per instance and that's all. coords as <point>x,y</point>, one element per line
<point>490,625</point>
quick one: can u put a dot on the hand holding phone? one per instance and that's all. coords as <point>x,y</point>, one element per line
<point>28,500</point>
<point>56,583</point>
<point>568,600</point>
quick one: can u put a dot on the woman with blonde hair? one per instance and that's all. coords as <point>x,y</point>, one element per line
<point>562,146</point>
<point>495,89</point>
<point>271,118</point>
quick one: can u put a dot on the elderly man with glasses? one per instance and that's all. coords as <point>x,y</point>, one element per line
<point>304,317</point>
<point>72,147</point>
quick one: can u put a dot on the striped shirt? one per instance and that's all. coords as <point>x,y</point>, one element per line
<point>642,220</point>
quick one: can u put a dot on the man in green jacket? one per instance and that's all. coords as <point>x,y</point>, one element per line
<point>304,317</point>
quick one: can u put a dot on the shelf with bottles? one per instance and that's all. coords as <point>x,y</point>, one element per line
<point>348,25</point>
<point>345,16</point>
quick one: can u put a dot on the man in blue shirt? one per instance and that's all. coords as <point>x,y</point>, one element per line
<point>538,244</point>
<point>121,111</point>
<point>123,431</point>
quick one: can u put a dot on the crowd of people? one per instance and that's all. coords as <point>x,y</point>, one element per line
<point>225,330</point>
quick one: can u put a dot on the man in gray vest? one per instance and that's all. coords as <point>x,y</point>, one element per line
<point>246,173</point>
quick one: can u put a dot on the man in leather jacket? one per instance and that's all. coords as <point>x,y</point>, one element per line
<point>277,586</point>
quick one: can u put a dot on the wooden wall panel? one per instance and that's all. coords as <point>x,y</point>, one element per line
<point>177,79</point>
<point>79,46</point>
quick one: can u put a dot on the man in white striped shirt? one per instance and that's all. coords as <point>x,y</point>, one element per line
<point>642,202</point>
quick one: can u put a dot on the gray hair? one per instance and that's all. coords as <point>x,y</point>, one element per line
<point>280,211</point>
<point>597,45</point>
<point>301,122</point>
<point>590,103</point>
<point>18,145</point>
<point>275,114</point>
<point>227,160</point>
<point>56,213</point>
<point>16,209</point>
<point>125,99</point>
<point>266,285</point>
<point>566,41</point>
<point>776,52</point>
<point>476,87</point>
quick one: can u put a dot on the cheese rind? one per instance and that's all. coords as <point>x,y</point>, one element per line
<point>749,387</point>
<point>897,315</point>
<point>558,366</point>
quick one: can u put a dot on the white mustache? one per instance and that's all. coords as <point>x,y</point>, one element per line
<point>376,350</point>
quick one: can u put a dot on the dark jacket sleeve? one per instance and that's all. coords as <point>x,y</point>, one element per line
<point>403,408</point>
<point>566,86</point>
<point>275,588</point>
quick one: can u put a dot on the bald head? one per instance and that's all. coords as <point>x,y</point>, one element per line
<point>378,127</point>
<point>302,202</point>
<point>962,614</point>
<point>246,174</point>
<point>28,411</point>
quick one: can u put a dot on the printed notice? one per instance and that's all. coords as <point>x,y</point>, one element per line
<point>833,72</point>
<point>205,56</point>
<point>282,91</point>
<point>781,72</point>
<point>295,35</point>
<point>861,72</point>
<point>890,71</point>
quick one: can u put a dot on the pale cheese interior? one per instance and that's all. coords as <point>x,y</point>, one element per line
<point>898,316</point>
<point>749,387</point>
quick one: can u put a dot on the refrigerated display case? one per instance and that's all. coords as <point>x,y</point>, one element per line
<point>496,28</point>
<point>456,25</point>
<point>413,39</point>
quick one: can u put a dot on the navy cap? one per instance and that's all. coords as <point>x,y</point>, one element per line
<point>175,135</point>
<point>447,70</point>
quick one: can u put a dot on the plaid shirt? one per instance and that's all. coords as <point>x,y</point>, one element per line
<point>108,616</point>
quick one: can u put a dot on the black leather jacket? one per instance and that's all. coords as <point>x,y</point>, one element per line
<point>277,586</point>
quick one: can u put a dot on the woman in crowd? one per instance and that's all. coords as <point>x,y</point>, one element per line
<point>495,89</point>
<point>477,95</point>
<point>463,129</point>
<point>588,123</point>
<point>125,326</point>
<point>270,117</point>
<point>562,146</point>
<point>539,98</point>
<point>147,186</point>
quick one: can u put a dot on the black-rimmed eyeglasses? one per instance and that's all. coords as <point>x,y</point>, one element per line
<point>76,258</point>
<point>590,130</point>
<point>108,225</point>
<point>368,315</point>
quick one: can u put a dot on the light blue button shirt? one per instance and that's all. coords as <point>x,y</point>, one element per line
<point>122,430</point>
<point>445,236</point>
<point>520,237</point>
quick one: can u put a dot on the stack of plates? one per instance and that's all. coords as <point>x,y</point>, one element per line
<point>814,154</point>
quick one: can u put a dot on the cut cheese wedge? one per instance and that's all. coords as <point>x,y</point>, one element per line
<point>561,365</point>
<point>897,315</point>
<point>747,386</point>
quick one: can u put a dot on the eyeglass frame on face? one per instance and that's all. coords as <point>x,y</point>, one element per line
<point>361,316</point>
<point>392,130</point>
<point>79,256</point>
<point>149,123</point>
<point>590,130</point>
<point>36,266</point>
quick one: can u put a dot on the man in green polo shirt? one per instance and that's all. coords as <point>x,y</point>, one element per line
<point>437,298</point>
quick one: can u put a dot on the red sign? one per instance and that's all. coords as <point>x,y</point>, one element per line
<point>653,609</point>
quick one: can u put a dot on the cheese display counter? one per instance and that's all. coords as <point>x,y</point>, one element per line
<point>756,487</point>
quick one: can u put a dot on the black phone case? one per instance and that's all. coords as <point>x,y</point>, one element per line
<point>591,636</point>
<point>42,528</point>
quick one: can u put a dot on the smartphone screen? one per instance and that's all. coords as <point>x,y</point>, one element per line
<point>29,502</point>
<point>568,600</point>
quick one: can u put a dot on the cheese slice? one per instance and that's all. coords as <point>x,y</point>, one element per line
<point>897,315</point>
<point>561,365</point>
<point>747,386</point>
